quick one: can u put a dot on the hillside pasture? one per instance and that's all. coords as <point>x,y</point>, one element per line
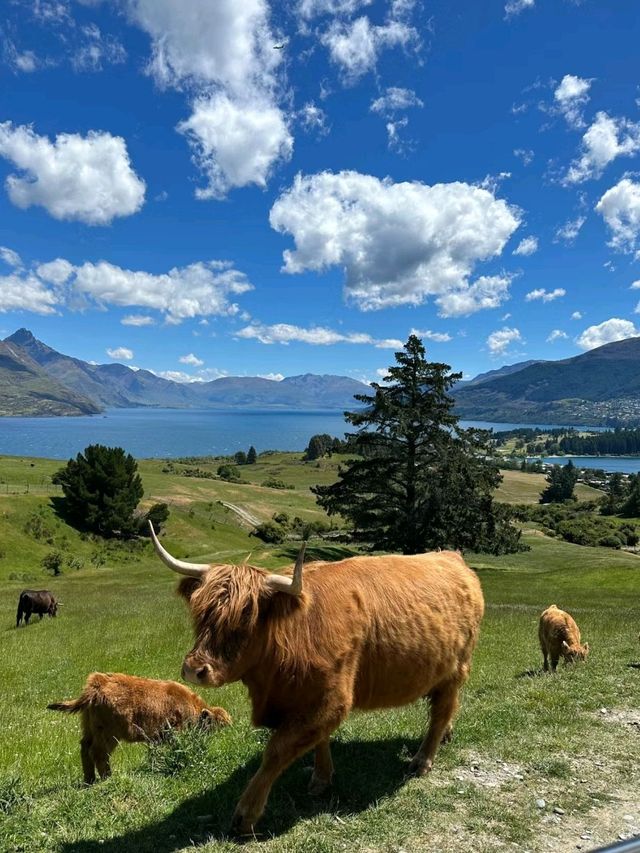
<point>522,737</point>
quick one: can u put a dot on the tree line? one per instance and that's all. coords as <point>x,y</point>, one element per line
<point>617,442</point>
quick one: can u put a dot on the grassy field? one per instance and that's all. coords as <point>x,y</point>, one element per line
<point>522,737</point>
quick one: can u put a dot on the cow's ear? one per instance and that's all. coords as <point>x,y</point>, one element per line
<point>187,587</point>
<point>565,646</point>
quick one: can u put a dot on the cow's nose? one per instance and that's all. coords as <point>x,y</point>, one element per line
<point>202,672</point>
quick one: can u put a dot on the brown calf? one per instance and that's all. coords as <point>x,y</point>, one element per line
<point>560,637</point>
<point>117,707</point>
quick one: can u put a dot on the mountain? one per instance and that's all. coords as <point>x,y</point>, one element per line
<point>119,386</point>
<point>27,390</point>
<point>494,374</point>
<point>599,386</point>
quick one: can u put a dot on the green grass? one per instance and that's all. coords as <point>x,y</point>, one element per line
<point>124,616</point>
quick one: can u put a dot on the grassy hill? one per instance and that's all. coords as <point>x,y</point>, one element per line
<point>521,736</point>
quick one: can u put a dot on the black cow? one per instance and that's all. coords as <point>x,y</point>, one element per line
<point>38,601</point>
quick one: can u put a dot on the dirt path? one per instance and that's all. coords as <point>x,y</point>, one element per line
<point>244,514</point>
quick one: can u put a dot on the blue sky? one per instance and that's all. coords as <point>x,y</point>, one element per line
<point>180,194</point>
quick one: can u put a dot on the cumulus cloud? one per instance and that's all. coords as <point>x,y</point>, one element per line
<point>397,243</point>
<point>635,285</point>
<point>528,246</point>
<point>611,330</point>
<point>224,52</point>
<point>500,340</point>
<point>10,257</point>
<point>557,335</point>
<point>355,46</point>
<point>395,99</point>
<point>515,7</point>
<point>274,377</point>
<point>620,209</point>
<point>55,272</point>
<point>568,232</point>
<point>27,293</point>
<point>191,359</point>
<point>545,295</point>
<point>283,333</point>
<point>235,142</point>
<point>571,96</point>
<point>120,354</point>
<point>606,139</point>
<point>314,8</point>
<point>86,178</point>
<point>436,337</point>
<point>138,320</point>
<point>577,315</point>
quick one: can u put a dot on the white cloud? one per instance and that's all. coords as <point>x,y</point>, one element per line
<point>514,7</point>
<point>606,139</point>
<point>557,335</point>
<point>55,272</point>
<point>571,96</point>
<point>138,320</point>
<point>611,330</point>
<point>191,359</point>
<point>202,288</point>
<point>88,178</point>
<point>313,117</point>
<point>97,50</point>
<point>527,246</point>
<point>568,232</point>
<point>635,285</point>
<point>356,46</point>
<point>10,257</point>
<point>436,337</point>
<point>120,353</point>
<point>283,333</point>
<point>395,99</point>
<point>620,209</point>
<point>577,315</point>
<point>236,142</point>
<point>25,292</point>
<point>545,295</point>
<point>223,51</point>
<point>274,377</point>
<point>397,243</point>
<point>177,376</point>
<point>500,340</point>
<point>524,154</point>
<point>394,140</point>
<point>313,8</point>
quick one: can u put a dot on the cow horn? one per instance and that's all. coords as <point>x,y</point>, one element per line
<point>292,586</point>
<point>192,570</point>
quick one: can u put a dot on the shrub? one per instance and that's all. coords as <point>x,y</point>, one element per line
<point>228,472</point>
<point>52,563</point>
<point>610,541</point>
<point>270,532</point>
<point>157,515</point>
<point>274,483</point>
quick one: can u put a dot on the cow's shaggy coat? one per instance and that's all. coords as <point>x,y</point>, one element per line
<point>366,632</point>
<point>560,637</point>
<point>117,707</point>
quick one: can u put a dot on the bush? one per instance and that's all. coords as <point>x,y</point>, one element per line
<point>228,472</point>
<point>274,483</point>
<point>270,532</point>
<point>610,541</point>
<point>157,515</point>
<point>52,563</point>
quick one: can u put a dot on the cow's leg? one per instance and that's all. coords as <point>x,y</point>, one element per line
<point>546,660</point>
<point>27,616</point>
<point>444,704</point>
<point>101,750</point>
<point>88,766</point>
<point>554,662</point>
<point>41,615</point>
<point>322,769</point>
<point>285,745</point>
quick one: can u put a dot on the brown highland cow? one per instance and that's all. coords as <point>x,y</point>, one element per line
<point>560,637</point>
<point>117,707</point>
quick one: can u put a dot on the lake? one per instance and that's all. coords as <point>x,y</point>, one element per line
<point>179,432</point>
<point>623,464</point>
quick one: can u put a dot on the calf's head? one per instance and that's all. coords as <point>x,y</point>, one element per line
<point>574,652</point>
<point>227,603</point>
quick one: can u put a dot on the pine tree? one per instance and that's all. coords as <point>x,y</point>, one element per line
<point>101,489</point>
<point>420,482</point>
<point>561,482</point>
<point>252,456</point>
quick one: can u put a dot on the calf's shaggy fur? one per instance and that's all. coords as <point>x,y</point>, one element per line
<point>117,707</point>
<point>560,637</point>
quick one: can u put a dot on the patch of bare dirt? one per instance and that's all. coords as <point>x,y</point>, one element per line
<point>621,718</point>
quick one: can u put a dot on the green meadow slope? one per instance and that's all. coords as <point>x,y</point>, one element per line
<point>521,736</point>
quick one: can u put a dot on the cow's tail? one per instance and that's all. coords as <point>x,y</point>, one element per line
<point>72,706</point>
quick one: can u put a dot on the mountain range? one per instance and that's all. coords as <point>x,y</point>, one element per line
<point>38,380</point>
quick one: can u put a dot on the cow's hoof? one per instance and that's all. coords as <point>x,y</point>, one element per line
<point>447,737</point>
<point>241,827</point>
<point>419,766</point>
<point>318,787</point>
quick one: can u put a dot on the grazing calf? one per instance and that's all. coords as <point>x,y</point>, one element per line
<point>117,707</point>
<point>560,637</point>
<point>38,601</point>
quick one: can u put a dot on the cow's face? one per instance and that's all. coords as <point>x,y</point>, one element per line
<point>575,652</point>
<point>224,607</point>
<point>53,609</point>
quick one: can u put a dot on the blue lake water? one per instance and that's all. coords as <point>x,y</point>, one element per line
<point>623,464</point>
<point>178,432</point>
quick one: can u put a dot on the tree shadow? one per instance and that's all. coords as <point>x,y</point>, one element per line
<point>318,551</point>
<point>531,673</point>
<point>365,772</point>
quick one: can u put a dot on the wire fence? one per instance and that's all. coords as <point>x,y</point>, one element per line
<point>42,488</point>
